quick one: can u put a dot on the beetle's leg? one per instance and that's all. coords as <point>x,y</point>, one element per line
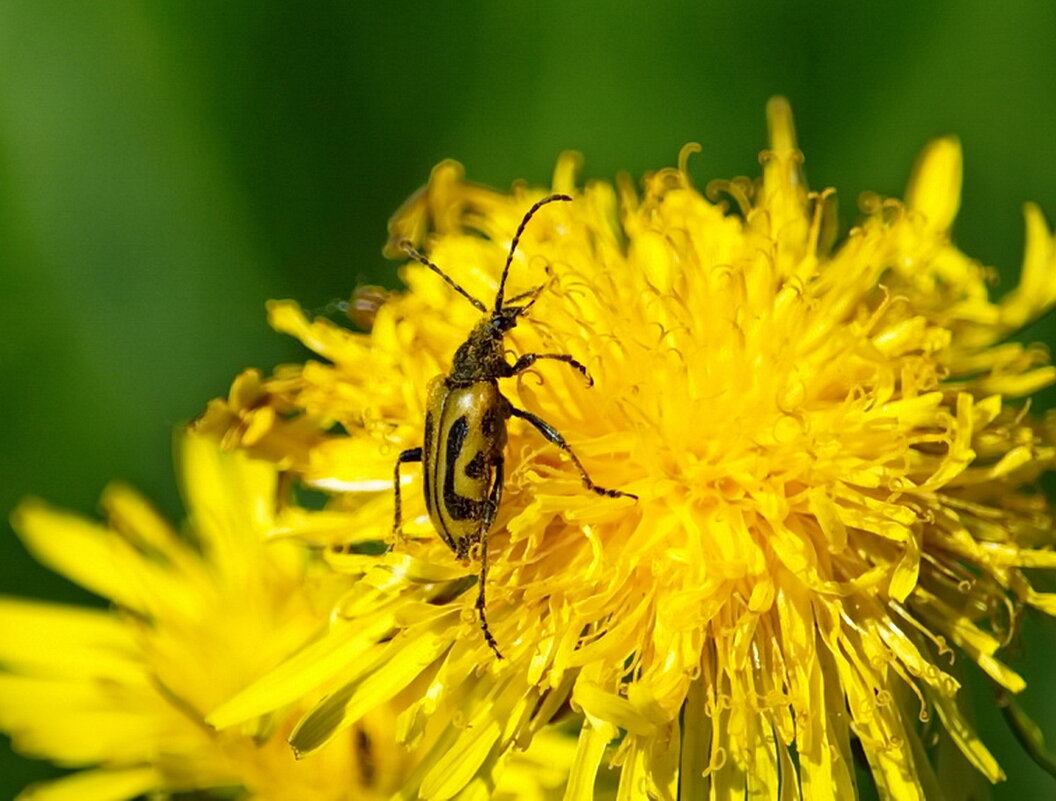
<point>409,455</point>
<point>494,497</point>
<point>490,508</point>
<point>554,436</point>
<point>528,359</point>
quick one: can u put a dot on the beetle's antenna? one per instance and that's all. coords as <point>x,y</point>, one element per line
<point>529,293</point>
<point>407,248</point>
<point>516,239</point>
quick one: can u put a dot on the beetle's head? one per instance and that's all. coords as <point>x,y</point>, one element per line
<point>506,318</point>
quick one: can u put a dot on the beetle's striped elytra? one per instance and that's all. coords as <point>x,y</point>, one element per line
<point>464,440</point>
<point>465,426</point>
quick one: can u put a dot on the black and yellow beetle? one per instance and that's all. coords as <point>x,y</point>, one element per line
<point>465,425</point>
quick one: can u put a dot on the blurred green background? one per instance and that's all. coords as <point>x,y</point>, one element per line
<point>166,167</point>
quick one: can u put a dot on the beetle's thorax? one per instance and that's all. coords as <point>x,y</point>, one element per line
<point>481,357</point>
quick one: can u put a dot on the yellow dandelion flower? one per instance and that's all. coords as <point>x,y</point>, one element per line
<point>124,693</point>
<point>835,470</point>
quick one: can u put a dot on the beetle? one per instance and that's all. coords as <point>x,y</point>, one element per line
<point>465,425</point>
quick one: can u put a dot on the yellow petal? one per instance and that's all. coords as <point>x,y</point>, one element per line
<point>96,785</point>
<point>593,739</point>
<point>56,641</point>
<point>231,500</point>
<point>86,553</point>
<point>904,579</point>
<point>85,722</point>
<point>302,673</point>
<point>404,662</point>
<point>131,514</point>
<point>1037,284</point>
<point>965,738</point>
<point>355,465</point>
<point>598,704</point>
<point>785,189</point>
<point>935,185</point>
<point>454,769</point>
